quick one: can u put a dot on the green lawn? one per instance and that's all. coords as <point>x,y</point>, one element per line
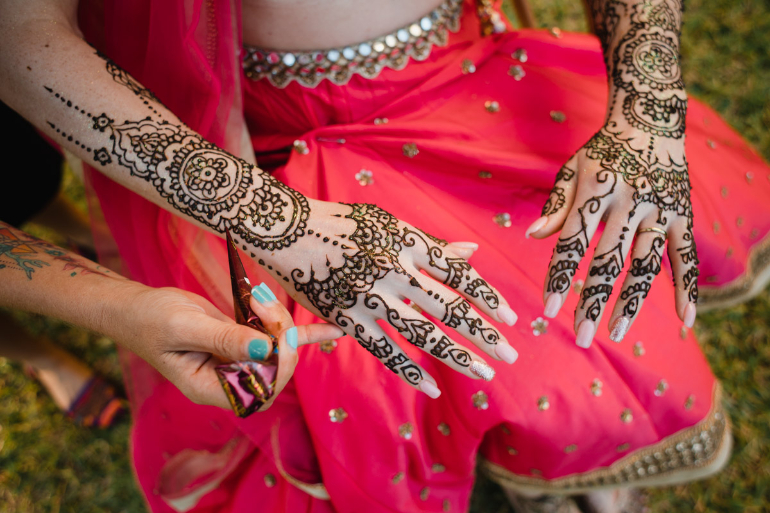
<point>49,465</point>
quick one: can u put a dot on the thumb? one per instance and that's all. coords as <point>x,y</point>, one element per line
<point>231,341</point>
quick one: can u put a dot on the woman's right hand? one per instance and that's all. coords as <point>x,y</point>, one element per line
<point>356,264</point>
<point>185,337</point>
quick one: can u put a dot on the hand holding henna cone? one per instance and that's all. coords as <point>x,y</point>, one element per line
<point>248,384</point>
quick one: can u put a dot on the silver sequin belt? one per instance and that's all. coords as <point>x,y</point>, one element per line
<point>367,59</point>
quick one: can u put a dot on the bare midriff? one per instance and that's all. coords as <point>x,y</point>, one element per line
<point>323,24</point>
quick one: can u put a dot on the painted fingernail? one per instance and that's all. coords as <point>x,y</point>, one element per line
<point>429,389</point>
<point>552,305</point>
<point>619,328</point>
<point>482,370</point>
<point>507,315</point>
<point>259,295</point>
<point>465,245</point>
<point>258,349</point>
<point>291,337</point>
<point>689,315</point>
<point>536,226</point>
<point>267,292</point>
<point>585,334</point>
<point>506,353</point>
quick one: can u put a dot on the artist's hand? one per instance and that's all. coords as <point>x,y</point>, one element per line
<point>185,337</point>
<point>356,265</point>
<point>644,196</point>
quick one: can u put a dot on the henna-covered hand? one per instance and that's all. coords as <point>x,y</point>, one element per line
<point>632,173</point>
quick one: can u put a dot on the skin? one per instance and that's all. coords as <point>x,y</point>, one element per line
<point>179,333</point>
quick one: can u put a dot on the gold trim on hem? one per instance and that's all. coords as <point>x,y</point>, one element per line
<point>745,286</point>
<point>692,448</point>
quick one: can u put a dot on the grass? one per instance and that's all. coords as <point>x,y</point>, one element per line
<point>49,465</point>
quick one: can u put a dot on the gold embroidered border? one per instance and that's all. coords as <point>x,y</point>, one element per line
<point>743,287</point>
<point>689,449</point>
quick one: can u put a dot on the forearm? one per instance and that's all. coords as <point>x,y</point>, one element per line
<point>640,40</point>
<point>39,277</point>
<point>97,111</point>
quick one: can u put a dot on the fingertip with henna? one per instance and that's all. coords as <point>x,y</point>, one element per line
<point>429,389</point>
<point>536,226</point>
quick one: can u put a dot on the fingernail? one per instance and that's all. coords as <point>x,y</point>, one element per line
<point>466,245</point>
<point>429,389</point>
<point>291,337</point>
<point>689,315</point>
<point>619,328</point>
<point>258,349</point>
<point>506,353</point>
<point>482,370</point>
<point>552,305</point>
<point>507,315</point>
<point>536,226</point>
<point>267,292</point>
<point>585,334</point>
<point>259,295</point>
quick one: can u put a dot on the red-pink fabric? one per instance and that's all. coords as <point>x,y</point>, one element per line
<point>183,51</point>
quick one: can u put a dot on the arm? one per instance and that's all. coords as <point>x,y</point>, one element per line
<point>633,171</point>
<point>177,332</point>
<point>350,264</point>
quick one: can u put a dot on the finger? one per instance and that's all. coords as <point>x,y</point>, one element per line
<point>314,333</point>
<point>684,264</point>
<point>273,314</point>
<point>573,242</point>
<point>376,341</point>
<point>646,258</point>
<point>463,249</point>
<point>559,202</point>
<point>604,269</point>
<point>456,312</point>
<point>455,272</point>
<point>419,331</point>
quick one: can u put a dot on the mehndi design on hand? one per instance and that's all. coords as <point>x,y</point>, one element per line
<point>633,168</point>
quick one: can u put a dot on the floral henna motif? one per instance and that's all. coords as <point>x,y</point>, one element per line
<point>557,198</point>
<point>645,268</point>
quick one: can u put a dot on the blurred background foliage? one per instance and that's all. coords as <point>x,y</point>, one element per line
<point>49,465</point>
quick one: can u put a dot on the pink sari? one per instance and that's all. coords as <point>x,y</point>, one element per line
<point>562,419</point>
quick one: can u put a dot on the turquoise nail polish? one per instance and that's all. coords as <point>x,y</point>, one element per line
<point>259,295</point>
<point>258,349</point>
<point>291,337</point>
<point>267,292</point>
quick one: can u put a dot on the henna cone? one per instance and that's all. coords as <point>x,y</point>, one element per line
<point>248,384</point>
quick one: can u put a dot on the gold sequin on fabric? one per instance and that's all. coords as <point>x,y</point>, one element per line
<point>438,468</point>
<point>555,32</point>
<point>492,106</point>
<point>716,226</point>
<point>338,415</point>
<point>327,346</point>
<point>683,332</point>
<point>711,144</point>
<point>639,349</point>
<point>468,67</point>
<point>490,20</point>
<point>689,402</point>
<point>424,493</point>
<point>503,219</point>
<point>366,59</point>
<point>543,404</point>
<point>505,430</point>
<point>405,430</point>
<point>397,478</point>
<point>558,116</point>
<point>570,448</point>
<point>661,387</point>
<point>517,72</point>
<point>300,147</point>
<point>596,387</point>
<point>410,150</point>
<point>749,176</point>
<point>480,400</point>
<point>512,451</point>
<point>445,505</point>
<point>577,287</point>
<point>269,480</point>
<point>380,121</point>
<point>626,416</point>
<point>539,326</point>
<point>485,174</point>
<point>623,447</point>
<point>364,177</point>
<point>443,428</point>
<point>739,221</point>
<point>724,192</point>
<point>520,54</point>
